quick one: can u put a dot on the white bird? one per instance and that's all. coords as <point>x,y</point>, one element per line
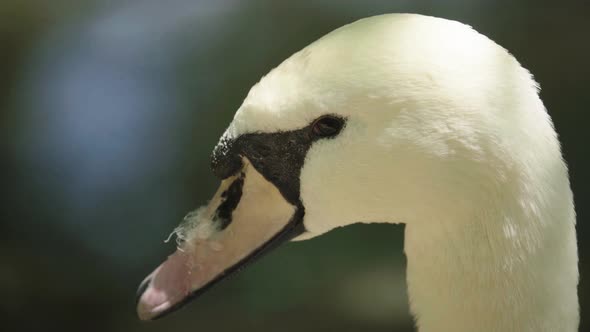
<point>397,118</point>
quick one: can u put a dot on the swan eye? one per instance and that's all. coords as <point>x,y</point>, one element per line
<point>327,126</point>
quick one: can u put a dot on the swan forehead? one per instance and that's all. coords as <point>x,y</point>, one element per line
<point>388,59</point>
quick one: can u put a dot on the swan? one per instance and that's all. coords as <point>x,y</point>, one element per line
<point>397,118</point>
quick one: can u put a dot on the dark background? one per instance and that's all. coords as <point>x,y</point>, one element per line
<point>108,113</point>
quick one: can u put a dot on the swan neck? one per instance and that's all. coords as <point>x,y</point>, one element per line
<point>508,271</point>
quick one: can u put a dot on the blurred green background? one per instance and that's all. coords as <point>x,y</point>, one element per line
<point>108,113</point>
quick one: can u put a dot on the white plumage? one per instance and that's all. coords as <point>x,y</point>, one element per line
<point>446,133</point>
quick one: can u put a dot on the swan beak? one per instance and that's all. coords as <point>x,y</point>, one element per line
<point>246,218</point>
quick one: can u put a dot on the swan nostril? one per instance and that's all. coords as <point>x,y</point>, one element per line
<point>141,289</point>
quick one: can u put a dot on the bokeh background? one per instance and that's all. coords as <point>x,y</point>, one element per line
<point>108,113</point>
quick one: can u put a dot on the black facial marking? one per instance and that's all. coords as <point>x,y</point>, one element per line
<point>278,156</point>
<point>225,162</point>
<point>231,197</point>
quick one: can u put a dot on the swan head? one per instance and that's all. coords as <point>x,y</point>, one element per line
<point>395,118</point>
